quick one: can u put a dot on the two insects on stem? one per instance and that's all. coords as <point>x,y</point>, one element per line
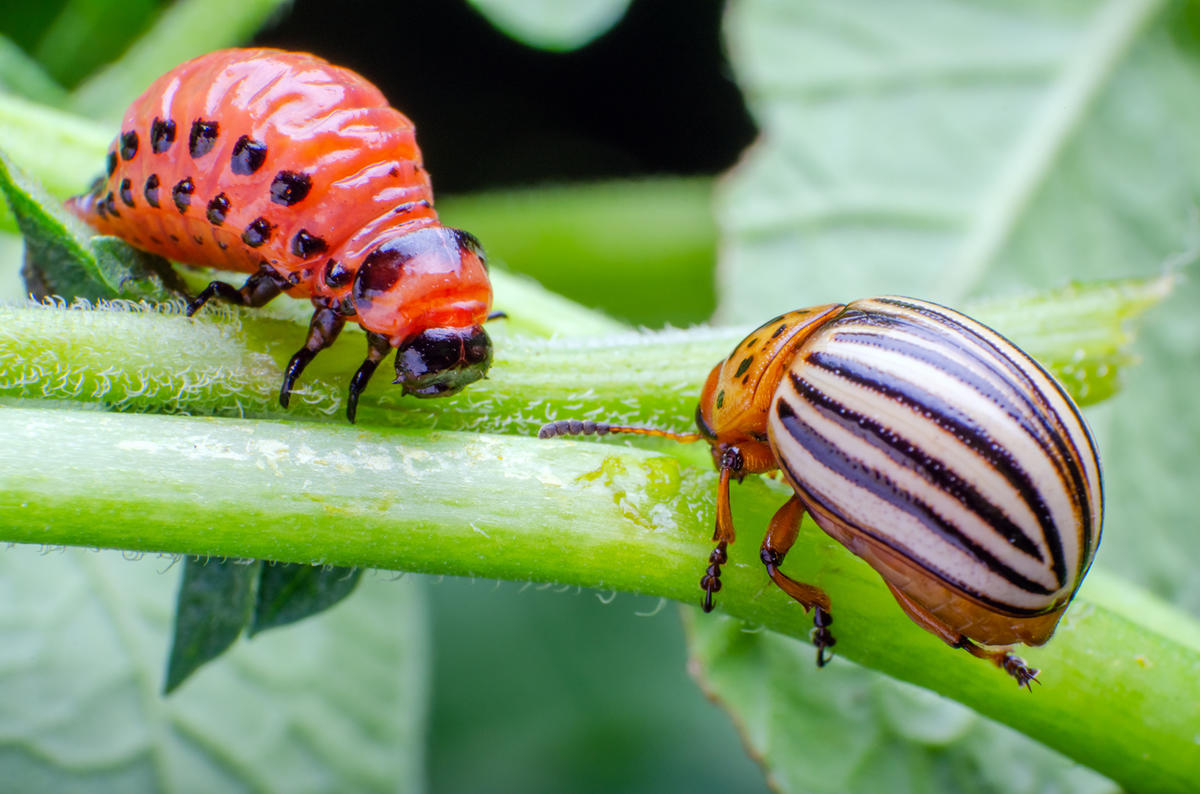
<point>924,442</point>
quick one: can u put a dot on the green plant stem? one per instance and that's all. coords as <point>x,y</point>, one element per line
<point>1118,695</point>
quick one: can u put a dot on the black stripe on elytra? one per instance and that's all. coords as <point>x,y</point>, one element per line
<point>1066,459</point>
<point>963,427</point>
<point>875,482</point>
<point>911,456</point>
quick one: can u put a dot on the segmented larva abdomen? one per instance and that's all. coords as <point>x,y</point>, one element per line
<point>924,430</point>
<point>242,157</point>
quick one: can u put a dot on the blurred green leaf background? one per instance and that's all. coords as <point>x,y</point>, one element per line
<point>951,151</point>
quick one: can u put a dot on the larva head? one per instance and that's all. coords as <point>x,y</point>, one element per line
<point>735,398</point>
<point>428,292</point>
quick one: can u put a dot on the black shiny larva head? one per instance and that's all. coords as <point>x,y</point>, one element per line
<point>441,361</point>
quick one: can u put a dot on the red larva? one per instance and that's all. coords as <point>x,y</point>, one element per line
<point>281,165</point>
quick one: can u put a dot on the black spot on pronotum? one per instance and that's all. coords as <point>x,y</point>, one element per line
<point>151,190</point>
<point>290,187</point>
<point>257,233</point>
<point>129,145</point>
<point>110,163</point>
<point>202,137</point>
<point>745,365</point>
<point>721,399</point>
<point>336,274</point>
<point>218,208</point>
<point>162,135</point>
<point>127,192</point>
<point>248,156</point>
<point>306,246</point>
<point>181,194</point>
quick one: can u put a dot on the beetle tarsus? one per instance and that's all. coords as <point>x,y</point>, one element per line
<point>710,583</point>
<point>821,636</point>
<point>1016,667</point>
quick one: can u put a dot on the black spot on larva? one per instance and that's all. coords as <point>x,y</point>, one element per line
<point>110,206</point>
<point>248,156</point>
<point>218,208</point>
<point>336,274</point>
<point>155,240</point>
<point>127,192</point>
<point>290,187</point>
<point>110,163</point>
<point>129,143</point>
<point>779,330</point>
<point>721,399</point>
<point>162,135</point>
<point>182,194</point>
<point>745,365</point>
<point>101,210</point>
<point>257,233</point>
<point>222,245</point>
<point>306,246</point>
<point>174,238</point>
<point>151,190</point>
<point>202,138</point>
<point>199,240</point>
<point>395,172</point>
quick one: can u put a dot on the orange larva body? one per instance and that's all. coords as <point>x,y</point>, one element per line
<point>281,165</point>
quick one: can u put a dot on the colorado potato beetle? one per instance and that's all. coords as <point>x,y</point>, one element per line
<point>925,443</point>
<point>298,172</point>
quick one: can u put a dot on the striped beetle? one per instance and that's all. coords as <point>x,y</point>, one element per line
<point>924,442</point>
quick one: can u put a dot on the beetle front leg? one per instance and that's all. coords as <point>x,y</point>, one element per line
<point>1001,657</point>
<point>781,534</point>
<point>724,534</point>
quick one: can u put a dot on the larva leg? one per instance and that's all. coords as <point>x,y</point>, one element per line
<point>1001,657</point>
<point>258,290</point>
<point>324,328</point>
<point>781,534</point>
<point>378,346</point>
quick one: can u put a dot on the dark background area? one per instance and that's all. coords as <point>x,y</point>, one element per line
<point>651,96</point>
<point>537,690</point>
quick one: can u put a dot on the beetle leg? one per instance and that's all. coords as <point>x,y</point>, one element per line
<point>1001,657</point>
<point>724,535</point>
<point>781,534</point>
<point>258,290</point>
<point>325,326</point>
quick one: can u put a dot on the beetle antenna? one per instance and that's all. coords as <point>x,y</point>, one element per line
<point>586,427</point>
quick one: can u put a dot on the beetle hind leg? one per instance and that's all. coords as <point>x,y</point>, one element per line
<point>781,534</point>
<point>1010,663</point>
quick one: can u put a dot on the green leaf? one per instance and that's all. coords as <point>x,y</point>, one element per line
<point>288,593</point>
<point>56,243</point>
<point>22,75</point>
<point>889,736</point>
<point>550,24</point>
<point>88,33</point>
<point>184,30</point>
<point>215,598</point>
<point>84,635</point>
<point>60,150</point>
<point>64,259</point>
